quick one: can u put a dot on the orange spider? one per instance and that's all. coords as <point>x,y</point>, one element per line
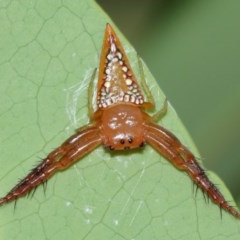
<point>119,123</point>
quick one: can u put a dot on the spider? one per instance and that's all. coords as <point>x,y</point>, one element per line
<point>119,123</point>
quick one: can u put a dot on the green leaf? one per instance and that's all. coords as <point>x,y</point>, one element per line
<point>47,54</point>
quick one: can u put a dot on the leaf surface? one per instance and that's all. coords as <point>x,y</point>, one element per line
<point>47,54</point>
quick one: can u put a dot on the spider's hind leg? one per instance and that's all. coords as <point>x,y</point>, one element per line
<point>159,114</point>
<point>90,95</point>
<point>150,98</point>
<point>151,102</point>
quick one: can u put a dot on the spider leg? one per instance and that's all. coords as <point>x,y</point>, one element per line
<point>172,149</point>
<point>150,98</point>
<point>78,145</point>
<point>161,112</point>
<point>90,95</point>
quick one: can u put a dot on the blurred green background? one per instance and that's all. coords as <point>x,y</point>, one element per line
<point>192,47</point>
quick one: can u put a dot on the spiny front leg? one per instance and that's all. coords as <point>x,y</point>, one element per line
<point>78,145</point>
<point>171,148</point>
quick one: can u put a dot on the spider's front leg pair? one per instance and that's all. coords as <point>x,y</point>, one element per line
<point>169,146</point>
<point>78,145</point>
<point>172,149</point>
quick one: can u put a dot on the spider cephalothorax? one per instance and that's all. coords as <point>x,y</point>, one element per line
<point>119,123</point>
<point>119,127</point>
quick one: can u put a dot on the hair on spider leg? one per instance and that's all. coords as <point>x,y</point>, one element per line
<point>15,205</point>
<point>38,169</point>
<point>229,203</point>
<point>195,190</point>
<point>31,193</point>
<point>203,175</point>
<point>221,209</point>
<point>206,198</point>
<point>44,184</point>
<point>200,158</point>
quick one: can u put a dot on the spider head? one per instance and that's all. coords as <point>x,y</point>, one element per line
<point>122,127</point>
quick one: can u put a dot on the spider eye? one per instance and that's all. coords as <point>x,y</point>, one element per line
<point>122,141</point>
<point>130,139</point>
<point>142,144</point>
